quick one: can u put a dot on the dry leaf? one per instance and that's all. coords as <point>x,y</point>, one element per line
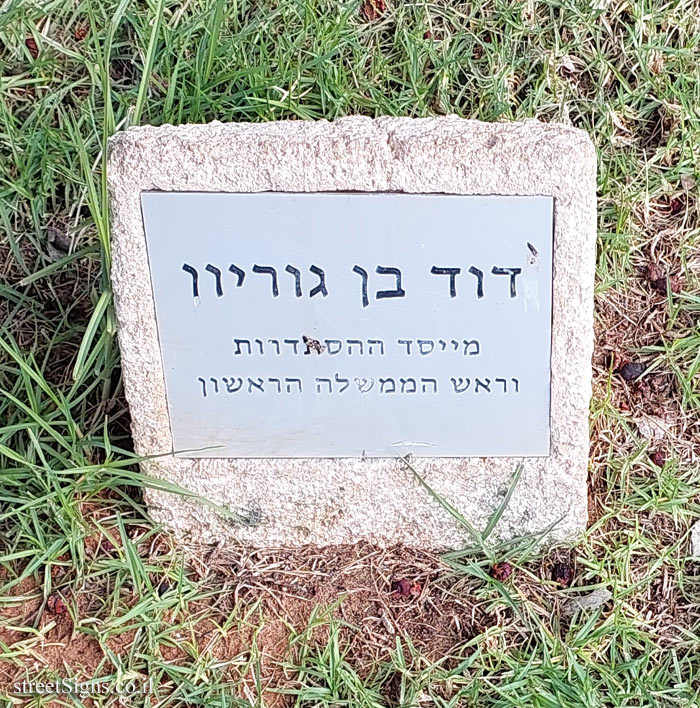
<point>695,540</point>
<point>656,62</point>
<point>651,427</point>
<point>592,601</point>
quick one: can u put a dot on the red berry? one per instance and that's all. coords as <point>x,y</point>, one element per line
<point>31,46</point>
<point>56,605</point>
<point>501,571</point>
<point>563,574</point>
<point>658,458</point>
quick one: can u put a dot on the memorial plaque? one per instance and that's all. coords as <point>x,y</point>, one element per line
<point>342,325</point>
<point>304,307</point>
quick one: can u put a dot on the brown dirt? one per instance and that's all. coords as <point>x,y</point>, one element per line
<point>260,601</point>
<point>55,645</point>
<point>292,583</point>
<point>282,588</point>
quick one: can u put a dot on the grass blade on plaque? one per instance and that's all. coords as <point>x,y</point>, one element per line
<point>490,552</point>
<point>478,538</point>
<point>500,509</point>
<point>107,477</point>
<point>521,549</point>
<point>161,485</point>
<point>126,477</point>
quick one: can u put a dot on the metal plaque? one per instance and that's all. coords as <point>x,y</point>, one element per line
<point>351,324</point>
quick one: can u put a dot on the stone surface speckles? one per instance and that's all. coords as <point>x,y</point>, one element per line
<point>330,501</point>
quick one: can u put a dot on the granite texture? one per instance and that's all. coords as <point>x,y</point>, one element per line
<point>326,501</point>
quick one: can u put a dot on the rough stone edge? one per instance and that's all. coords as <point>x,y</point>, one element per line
<point>334,502</point>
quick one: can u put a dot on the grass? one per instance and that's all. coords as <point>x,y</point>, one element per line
<point>227,627</point>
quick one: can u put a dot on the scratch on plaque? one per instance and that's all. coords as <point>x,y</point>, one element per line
<point>532,294</point>
<point>532,290</point>
<point>410,443</point>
